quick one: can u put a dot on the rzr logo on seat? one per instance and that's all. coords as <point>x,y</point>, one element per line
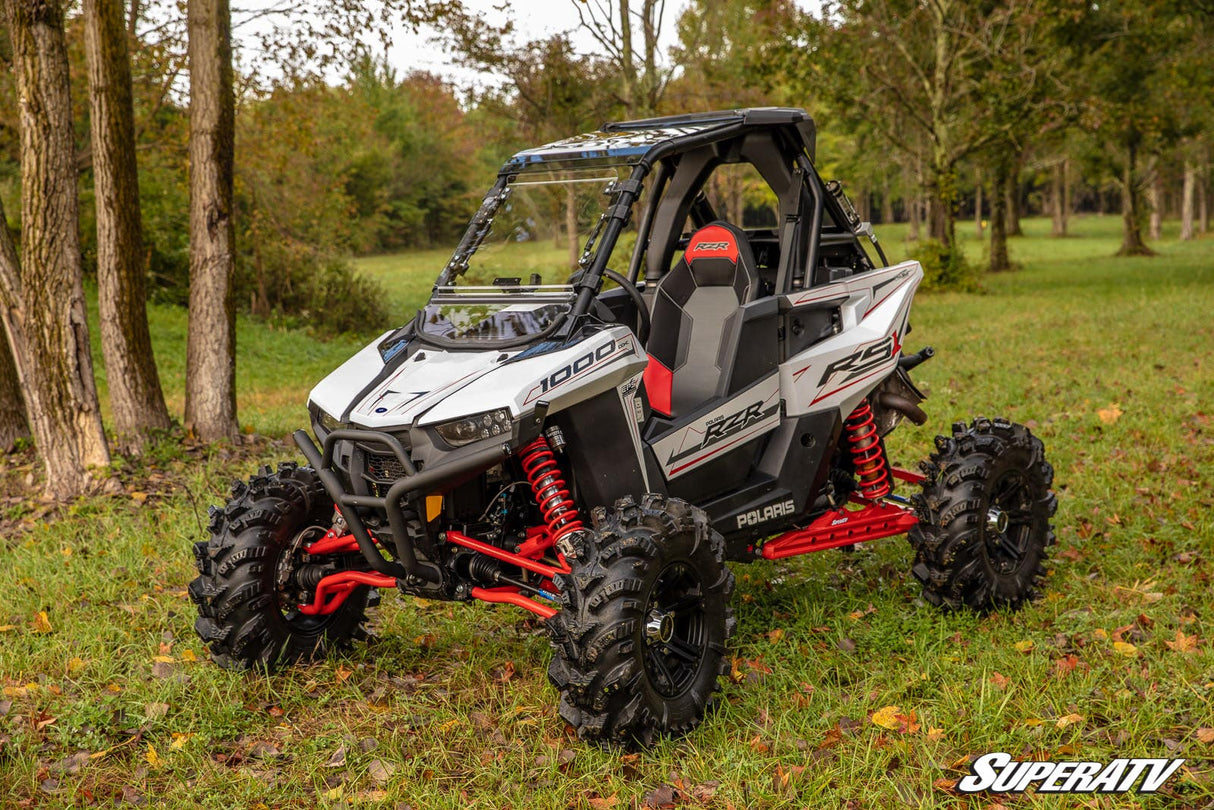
<point>726,426</point>
<point>713,246</point>
<point>862,361</point>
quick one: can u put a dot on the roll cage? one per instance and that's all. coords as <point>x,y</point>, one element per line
<point>815,242</point>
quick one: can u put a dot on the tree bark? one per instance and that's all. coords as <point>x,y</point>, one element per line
<point>1012,192</point>
<point>999,257</point>
<point>134,384</point>
<point>887,202</point>
<point>916,209</point>
<point>1187,199</point>
<point>210,399</point>
<point>43,295</point>
<point>1131,208</point>
<point>13,423</point>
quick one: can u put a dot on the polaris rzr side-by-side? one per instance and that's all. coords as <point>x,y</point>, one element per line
<point>596,453</point>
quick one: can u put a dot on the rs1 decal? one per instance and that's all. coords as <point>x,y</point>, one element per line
<point>862,361</point>
<point>770,512</point>
<point>726,426</point>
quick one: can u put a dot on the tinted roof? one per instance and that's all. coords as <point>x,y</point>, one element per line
<point>629,141</point>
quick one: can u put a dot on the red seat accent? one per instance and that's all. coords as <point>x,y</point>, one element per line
<point>658,383</point>
<point>712,242</point>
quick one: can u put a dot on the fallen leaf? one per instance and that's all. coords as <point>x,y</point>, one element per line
<point>604,802</point>
<point>1068,720</point>
<point>189,656</point>
<point>152,757</point>
<point>163,659</point>
<point>179,740</point>
<point>504,673</point>
<point>886,717</point>
<point>338,758</point>
<point>662,796</point>
<point>1000,680</point>
<point>343,674</point>
<point>380,771</point>
<point>1125,648</point>
<point>1110,414</point>
<point>1023,646</point>
<point>154,711</point>
<point>846,644</point>
<point>1205,735</point>
<point>934,734</point>
<point>42,623</point>
<point>1183,643</point>
<point>1065,665</point>
<point>4,628</point>
<point>775,636</point>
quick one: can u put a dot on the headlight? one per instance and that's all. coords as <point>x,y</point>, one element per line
<point>476,427</point>
<point>327,420</point>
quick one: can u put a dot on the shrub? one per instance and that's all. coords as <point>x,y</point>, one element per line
<point>944,269</point>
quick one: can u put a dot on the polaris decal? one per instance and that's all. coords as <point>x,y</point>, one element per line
<point>768,513</point>
<point>861,362</point>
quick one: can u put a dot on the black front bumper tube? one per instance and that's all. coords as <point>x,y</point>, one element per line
<point>407,563</point>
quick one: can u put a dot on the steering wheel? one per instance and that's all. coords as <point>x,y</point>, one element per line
<point>635,294</point>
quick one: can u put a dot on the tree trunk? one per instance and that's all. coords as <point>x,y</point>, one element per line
<point>1067,207</point>
<point>135,397</point>
<point>210,397</point>
<point>43,295</point>
<point>999,257</point>
<point>1203,207</point>
<point>628,66</point>
<point>13,424</point>
<point>1155,199</point>
<point>1058,198</point>
<point>1131,219</point>
<point>978,206</point>
<point>916,212</point>
<point>887,202</point>
<point>1186,200</point>
<point>571,224</point>
<point>1013,200</point>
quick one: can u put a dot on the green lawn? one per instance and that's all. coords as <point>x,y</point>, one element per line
<point>1110,361</point>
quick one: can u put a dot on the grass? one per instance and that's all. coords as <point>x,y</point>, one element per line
<point>1110,361</point>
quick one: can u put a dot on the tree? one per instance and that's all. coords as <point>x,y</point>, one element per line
<point>614,24</point>
<point>134,384</point>
<point>43,294</point>
<point>13,423</point>
<point>210,399</point>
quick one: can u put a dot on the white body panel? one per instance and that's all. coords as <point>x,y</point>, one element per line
<point>838,372</point>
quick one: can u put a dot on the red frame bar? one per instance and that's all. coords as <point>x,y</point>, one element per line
<point>333,543</point>
<point>505,556</point>
<point>511,596</point>
<point>842,527</point>
<point>333,590</point>
<point>907,475</point>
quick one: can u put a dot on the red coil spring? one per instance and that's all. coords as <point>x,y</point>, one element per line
<point>868,454</point>
<point>551,491</point>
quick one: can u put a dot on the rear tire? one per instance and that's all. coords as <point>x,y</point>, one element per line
<point>242,612</point>
<point>642,637</point>
<point>984,518</point>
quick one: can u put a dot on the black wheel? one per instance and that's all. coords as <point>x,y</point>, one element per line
<point>642,636</point>
<point>984,517</point>
<point>246,598</point>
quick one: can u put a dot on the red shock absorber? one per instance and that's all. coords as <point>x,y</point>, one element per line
<point>551,491</point>
<point>868,455</point>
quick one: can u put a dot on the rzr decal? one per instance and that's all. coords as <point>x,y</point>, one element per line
<point>862,361</point>
<point>770,512</point>
<point>723,427</point>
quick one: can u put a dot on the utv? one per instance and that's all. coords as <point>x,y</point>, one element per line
<point>595,453</point>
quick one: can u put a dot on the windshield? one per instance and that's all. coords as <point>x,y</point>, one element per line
<point>489,314</point>
<point>541,227</point>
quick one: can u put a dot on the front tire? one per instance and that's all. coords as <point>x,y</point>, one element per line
<point>244,611</point>
<point>642,637</point>
<point>984,518</point>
